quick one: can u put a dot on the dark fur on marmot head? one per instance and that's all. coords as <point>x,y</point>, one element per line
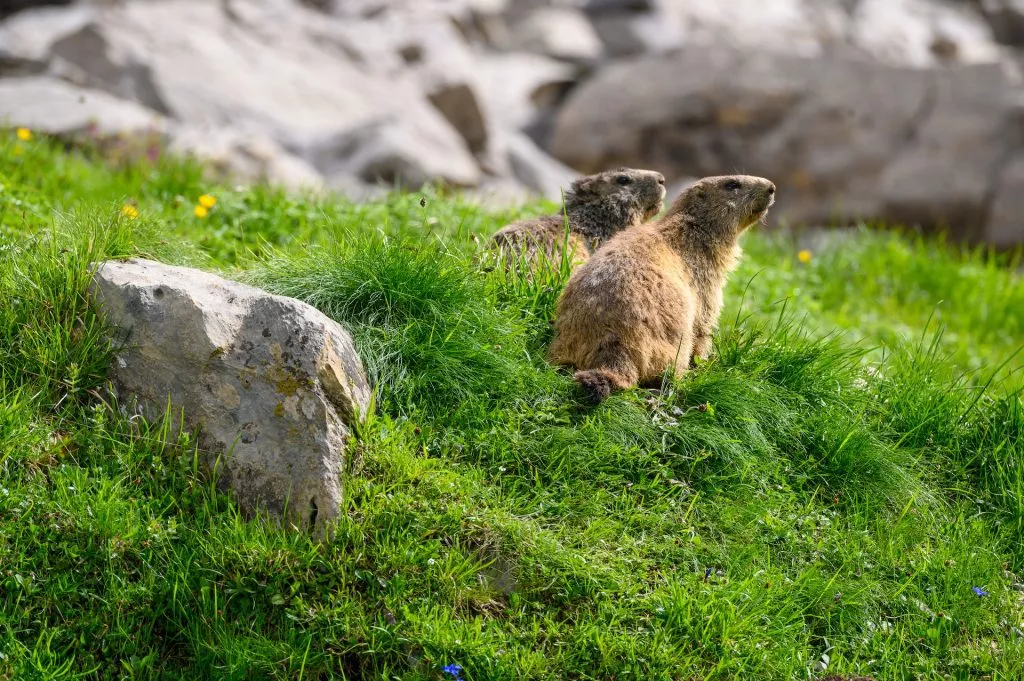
<point>716,210</point>
<point>596,208</point>
<point>601,205</point>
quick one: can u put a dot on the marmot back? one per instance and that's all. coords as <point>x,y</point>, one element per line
<point>597,207</point>
<point>650,298</point>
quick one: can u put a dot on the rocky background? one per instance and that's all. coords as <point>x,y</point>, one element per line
<point>900,110</point>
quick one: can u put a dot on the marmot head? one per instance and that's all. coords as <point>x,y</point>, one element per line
<point>629,190</point>
<point>723,207</point>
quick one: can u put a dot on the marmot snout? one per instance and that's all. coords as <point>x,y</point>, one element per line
<point>649,299</point>
<point>597,207</point>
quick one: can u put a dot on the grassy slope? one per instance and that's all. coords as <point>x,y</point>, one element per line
<point>803,494</point>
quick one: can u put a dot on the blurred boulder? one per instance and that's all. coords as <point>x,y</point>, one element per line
<point>55,107</point>
<point>27,38</point>
<point>214,71</point>
<point>922,33</point>
<point>947,171</point>
<point>234,155</point>
<point>635,27</point>
<point>459,104</point>
<point>85,57</point>
<point>517,87</point>
<point>392,151</point>
<point>8,7</point>
<point>898,32</point>
<point>558,32</point>
<point>1005,226</point>
<point>844,139</point>
<point>1007,20</point>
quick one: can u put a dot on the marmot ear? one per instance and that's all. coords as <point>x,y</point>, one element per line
<point>583,184</point>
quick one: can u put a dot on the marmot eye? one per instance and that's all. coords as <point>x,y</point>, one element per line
<point>732,184</point>
<point>623,179</point>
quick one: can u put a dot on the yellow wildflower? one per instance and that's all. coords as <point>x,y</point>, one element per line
<point>804,256</point>
<point>129,211</point>
<point>24,134</point>
<point>207,201</point>
<point>201,211</point>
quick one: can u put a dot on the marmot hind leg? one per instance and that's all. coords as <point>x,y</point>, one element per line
<point>613,370</point>
<point>701,348</point>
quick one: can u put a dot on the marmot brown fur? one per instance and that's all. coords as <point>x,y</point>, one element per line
<point>650,298</point>
<point>597,207</point>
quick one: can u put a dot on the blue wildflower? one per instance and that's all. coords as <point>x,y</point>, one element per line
<point>454,670</point>
<point>978,591</point>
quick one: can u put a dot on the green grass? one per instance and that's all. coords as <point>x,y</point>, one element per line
<point>833,482</point>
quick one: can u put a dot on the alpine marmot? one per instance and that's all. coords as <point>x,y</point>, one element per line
<point>650,298</point>
<point>597,207</point>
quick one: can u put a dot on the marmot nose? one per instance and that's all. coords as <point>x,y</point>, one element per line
<point>771,188</point>
<point>661,178</point>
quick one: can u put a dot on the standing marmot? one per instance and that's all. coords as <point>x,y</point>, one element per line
<point>597,206</point>
<point>650,298</point>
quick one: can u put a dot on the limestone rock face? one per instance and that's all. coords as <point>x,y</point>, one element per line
<point>272,385</point>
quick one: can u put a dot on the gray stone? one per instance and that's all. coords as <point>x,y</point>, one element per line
<point>917,33</point>
<point>458,103</point>
<point>255,68</point>
<point>560,33</point>
<point>516,86</point>
<point>922,33</point>
<point>943,179</point>
<point>1005,227</point>
<point>536,170</point>
<point>631,33</point>
<point>234,155</point>
<point>87,58</point>
<point>391,151</point>
<point>1007,20</point>
<point>26,39</point>
<point>55,107</point>
<point>12,6</point>
<point>844,139</point>
<point>273,387</point>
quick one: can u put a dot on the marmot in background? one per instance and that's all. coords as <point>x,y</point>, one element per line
<point>597,207</point>
<point>650,298</point>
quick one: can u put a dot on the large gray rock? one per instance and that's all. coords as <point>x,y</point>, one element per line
<point>252,65</point>
<point>634,28</point>
<point>517,86</point>
<point>922,33</point>
<point>26,39</point>
<point>273,386</point>
<point>915,33</point>
<point>12,6</point>
<point>536,170</point>
<point>56,107</point>
<point>1007,20</point>
<point>558,32</point>
<point>843,139</point>
<point>87,58</point>
<point>944,178</point>
<point>1005,223</point>
<point>235,155</point>
<point>433,55</point>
